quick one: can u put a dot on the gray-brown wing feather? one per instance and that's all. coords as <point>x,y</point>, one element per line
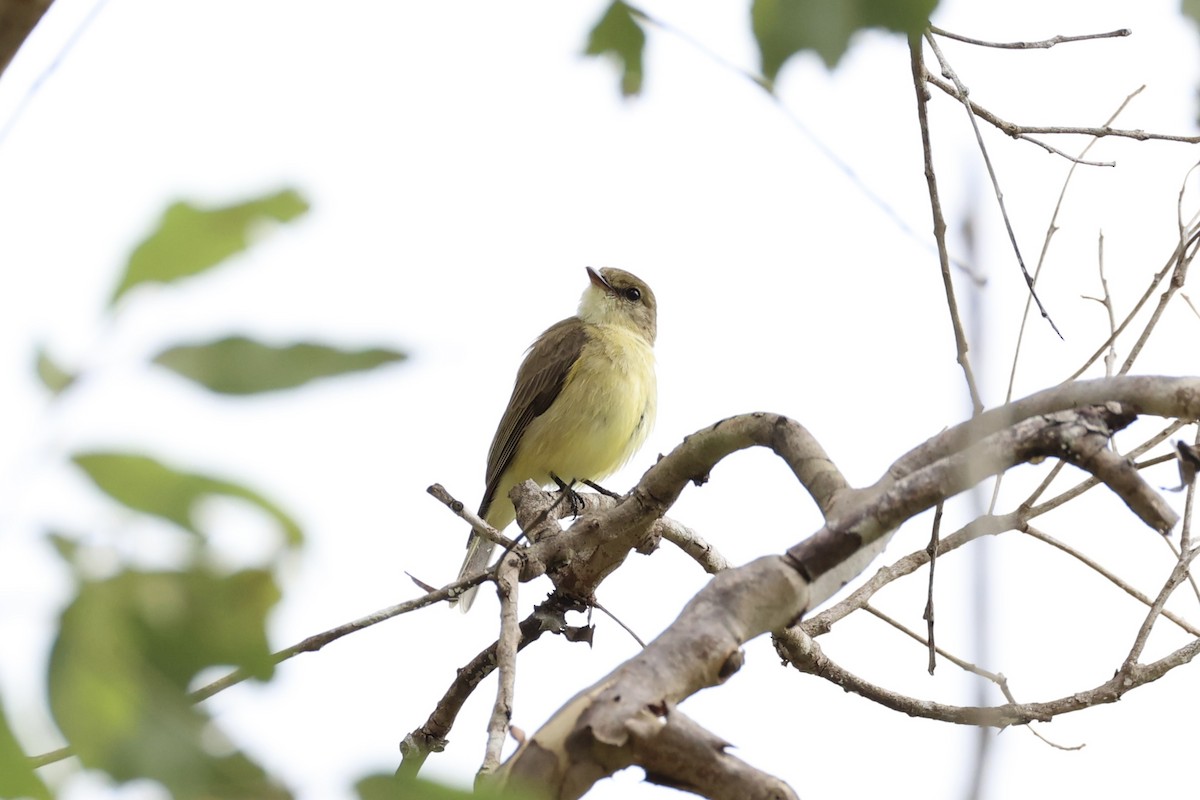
<point>539,381</point>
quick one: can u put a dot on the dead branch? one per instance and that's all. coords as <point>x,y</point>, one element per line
<point>594,733</point>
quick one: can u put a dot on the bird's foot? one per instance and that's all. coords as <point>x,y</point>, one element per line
<point>569,495</point>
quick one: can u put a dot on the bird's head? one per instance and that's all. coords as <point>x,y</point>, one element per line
<point>615,297</point>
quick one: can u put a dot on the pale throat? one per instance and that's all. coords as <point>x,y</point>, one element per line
<point>597,308</point>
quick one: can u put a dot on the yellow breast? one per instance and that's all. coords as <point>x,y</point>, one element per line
<point>598,421</point>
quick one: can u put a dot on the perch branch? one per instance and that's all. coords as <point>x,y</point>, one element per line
<point>601,728</point>
<point>506,663</point>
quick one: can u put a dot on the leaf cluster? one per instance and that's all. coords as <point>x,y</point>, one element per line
<point>131,642</point>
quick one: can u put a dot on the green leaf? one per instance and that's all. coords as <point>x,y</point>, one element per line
<point>17,776</point>
<point>52,376</point>
<point>390,786</point>
<point>149,486</point>
<point>237,365</point>
<point>190,240</point>
<point>619,34</point>
<point>1191,8</point>
<point>126,651</point>
<point>66,546</point>
<point>786,27</point>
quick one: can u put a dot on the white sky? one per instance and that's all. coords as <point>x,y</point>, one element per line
<point>464,164</point>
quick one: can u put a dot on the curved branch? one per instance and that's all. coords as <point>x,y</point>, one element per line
<point>805,650</point>
<point>431,736</point>
<point>581,557</point>
<point>591,736</point>
<point>608,726</point>
<point>1144,394</point>
<point>675,751</point>
<point>1016,131</point>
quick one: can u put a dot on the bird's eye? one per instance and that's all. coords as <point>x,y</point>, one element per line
<point>633,294</point>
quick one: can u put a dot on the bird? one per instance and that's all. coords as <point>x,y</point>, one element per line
<point>583,402</point>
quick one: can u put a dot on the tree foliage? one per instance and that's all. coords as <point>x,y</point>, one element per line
<point>133,644</point>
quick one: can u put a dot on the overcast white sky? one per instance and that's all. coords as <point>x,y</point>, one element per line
<point>464,164</point>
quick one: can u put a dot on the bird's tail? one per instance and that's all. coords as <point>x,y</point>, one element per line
<point>479,553</point>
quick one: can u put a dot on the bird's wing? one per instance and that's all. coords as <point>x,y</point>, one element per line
<point>539,381</point>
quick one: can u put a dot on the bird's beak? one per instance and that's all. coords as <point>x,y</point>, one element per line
<point>598,280</point>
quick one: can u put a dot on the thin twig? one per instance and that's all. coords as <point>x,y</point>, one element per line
<point>310,645</point>
<point>1106,300</point>
<point>825,150</point>
<point>1178,575</point>
<point>962,664</point>
<point>507,581</point>
<point>920,76</point>
<point>1017,131</point>
<point>932,550</point>
<point>595,604</point>
<point>1188,300</point>
<point>1051,229</point>
<point>1100,570</point>
<point>1154,281</point>
<point>1055,745</point>
<point>822,622</point>
<point>1043,44</point>
<point>1188,236</point>
<point>987,160</point>
<point>1049,148</point>
<point>988,525</point>
<point>1185,537</point>
<point>430,737</point>
<point>1187,251</point>
<point>997,678</point>
<point>815,662</point>
<point>477,523</point>
<point>1176,551</point>
<point>317,641</point>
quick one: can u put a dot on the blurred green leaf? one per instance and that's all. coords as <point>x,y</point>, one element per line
<point>128,647</point>
<point>149,486</point>
<point>786,27</point>
<point>190,240</point>
<point>237,365</point>
<point>17,777</point>
<point>1191,8</point>
<point>619,34</point>
<point>390,787</point>
<point>66,546</point>
<point>53,376</point>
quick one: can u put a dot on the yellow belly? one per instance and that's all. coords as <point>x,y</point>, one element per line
<point>598,421</point>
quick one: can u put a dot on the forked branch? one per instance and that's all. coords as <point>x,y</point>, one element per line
<point>613,723</point>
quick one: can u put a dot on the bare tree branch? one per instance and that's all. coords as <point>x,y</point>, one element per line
<point>809,652</point>
<point>920,76</point>
<point>1099,569</point>
<point>948,72</point>
<point>477,523</point>
<point>506,663</point>
<point>1021,131</point>
<point>593,734</point>
<point>430,737</point>
<point>1043,44</point>
<point>317,641</point>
